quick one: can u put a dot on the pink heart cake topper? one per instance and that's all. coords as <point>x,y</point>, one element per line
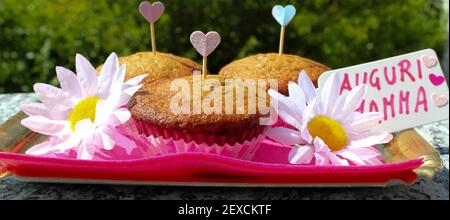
<point>439,100</point>
<point>205,44</point>
<point>437,80</point>
<point>430,61</point>
<point>151,12</point>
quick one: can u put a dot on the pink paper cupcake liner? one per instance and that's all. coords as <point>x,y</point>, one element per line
<point>245,151</point>
<point>232,139</point>
<point>241,145</point>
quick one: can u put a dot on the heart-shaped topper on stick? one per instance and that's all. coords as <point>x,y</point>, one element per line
<point>152,12</point>
<point>205,44</point>
<point>283,15</point>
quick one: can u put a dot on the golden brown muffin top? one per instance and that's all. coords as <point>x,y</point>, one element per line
<point>152,104</point>
<point>285,69</point>
<point>157,67</point>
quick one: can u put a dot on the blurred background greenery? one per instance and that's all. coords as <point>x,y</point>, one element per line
<point>37,35</point>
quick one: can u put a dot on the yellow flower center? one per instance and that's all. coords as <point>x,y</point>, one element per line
<point>85,109</point>
<point>330,131</point>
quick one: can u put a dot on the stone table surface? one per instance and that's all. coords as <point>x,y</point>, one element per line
<point>437,188</point>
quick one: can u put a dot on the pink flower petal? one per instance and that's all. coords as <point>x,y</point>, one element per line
<point>87,76</point>
<point>320,146</point>
<point>301,155</point>
<point>285,136</point>
<point>44,125</point>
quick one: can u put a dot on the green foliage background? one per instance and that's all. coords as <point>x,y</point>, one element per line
<point>37,35</point>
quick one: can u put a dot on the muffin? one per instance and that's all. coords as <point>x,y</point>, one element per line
<point>285,68</point>
<point>235,134</point>
<point>161,66</point>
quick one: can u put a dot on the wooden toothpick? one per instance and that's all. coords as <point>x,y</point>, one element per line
<point>205,68</point>
<point>153,40</point>
<point>282,35</point>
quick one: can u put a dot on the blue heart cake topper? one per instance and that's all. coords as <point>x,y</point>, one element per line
<point>284,15</point>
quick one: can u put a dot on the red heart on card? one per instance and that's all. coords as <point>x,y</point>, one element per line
<point>437,80</point>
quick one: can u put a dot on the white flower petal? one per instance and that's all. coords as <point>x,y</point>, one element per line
<point>329,93</point>
<point>382,138</point>
<point>285,136</point>
<point>70,143</point>
<point>126,95</point>
<point>366,121</point>
<point>119,117</point>
<point>86,150</point>
<point>286,109</point>
<point>40,149</point>
<point>87,76</point>
<point>365,153</point>
<point>85,128</point>
<point>69,82</point>
<point>321,159</point>
<point>354,99</point>
<point>310,111</point>
<point>106,77</point>
<point>44,125</point>
<point>122,141</point>
<point>351,156</point>
<point>301,155</point>
<point>134,81</point>
<point>108,142</point>
<point>307,86</point>
<point>287,117</point>
<point>297,97</point>
<point>335,160</point>
<point>103,112</point>
<point>35,109</point>
<point>338,106</point>
<point>304,133</point>
<point>320,146</point>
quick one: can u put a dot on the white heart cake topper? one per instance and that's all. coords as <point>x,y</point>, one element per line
<point>205,44</point>
<point>151,12</point>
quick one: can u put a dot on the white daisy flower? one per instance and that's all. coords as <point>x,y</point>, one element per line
<point>82,115</point>
<point>327,130</point>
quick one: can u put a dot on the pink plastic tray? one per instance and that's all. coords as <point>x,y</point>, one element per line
<point>268,168</point>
